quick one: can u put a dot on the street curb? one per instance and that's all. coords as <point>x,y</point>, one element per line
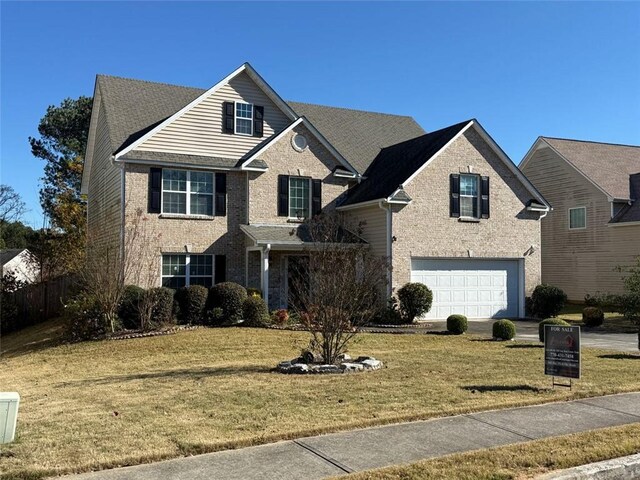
<point>622,468</point>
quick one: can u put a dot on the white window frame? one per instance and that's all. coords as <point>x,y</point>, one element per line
<point>569,218</point>
<point>187,267</point>
<point>477,196</point>
<point>188,194</point>
<point>235,118</point>
<point>308,179</point>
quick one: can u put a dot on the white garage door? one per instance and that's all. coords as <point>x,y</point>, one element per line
<point>475,288</point>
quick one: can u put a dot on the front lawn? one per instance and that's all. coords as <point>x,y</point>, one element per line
<point>613,322</point>
<point>109,403</point>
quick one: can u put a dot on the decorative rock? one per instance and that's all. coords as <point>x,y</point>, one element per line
<point>351,367</point>
<point>298,368</point>
<point>372,364</point>
<point>343,357</point>
<point>284,365</point>
<point>362,359</point>
<point>325,369</point>
<point>311,357</point>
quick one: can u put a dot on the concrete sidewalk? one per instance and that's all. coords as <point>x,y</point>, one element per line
<point>328,455</point>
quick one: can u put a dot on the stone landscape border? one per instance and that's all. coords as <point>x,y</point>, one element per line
<point>157,333</point>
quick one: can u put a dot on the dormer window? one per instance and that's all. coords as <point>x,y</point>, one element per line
<point>244,118</point>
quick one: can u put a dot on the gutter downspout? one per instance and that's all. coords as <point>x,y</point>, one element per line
<point>389,247</point>
<point>122,212</point>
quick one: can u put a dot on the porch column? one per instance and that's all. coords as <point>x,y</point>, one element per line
<point>264,260</point>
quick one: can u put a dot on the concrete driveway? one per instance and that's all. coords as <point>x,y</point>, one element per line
<point>528,331</point>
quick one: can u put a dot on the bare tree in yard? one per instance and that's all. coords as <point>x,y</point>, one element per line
<point>336,286</point>
<point>11,205</point>
<point>110,266</point>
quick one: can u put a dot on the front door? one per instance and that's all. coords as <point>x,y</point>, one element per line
<point>297,281</point>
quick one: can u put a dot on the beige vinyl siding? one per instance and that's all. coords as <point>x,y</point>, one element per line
<point>103,199</point>
<point>373,221</point>
<point>200,130</point>
<point>578,261</point>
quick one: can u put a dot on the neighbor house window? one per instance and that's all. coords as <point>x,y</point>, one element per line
<point>469,196</point>
<point>299,197</point>
<point>244,118</point>
<point>187,192</point>
<point>577,218</point>
<point>180,270</point>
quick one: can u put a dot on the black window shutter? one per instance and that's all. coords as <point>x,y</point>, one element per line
<point>155,190</point>
<point>316,196</point>
<point>484,197</point>
<point>258,121</point>
<point>454,194</point>
<point>221,195</point>
<point>220,269</point>
<point>228,117</point>
<point>283,195</point>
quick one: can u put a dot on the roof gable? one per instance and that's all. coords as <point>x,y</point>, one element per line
<point>608,166</point>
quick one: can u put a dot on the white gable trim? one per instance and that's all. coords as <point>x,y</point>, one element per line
<point>302,120</point>
<point>245,67</point>
<point>539,142</point>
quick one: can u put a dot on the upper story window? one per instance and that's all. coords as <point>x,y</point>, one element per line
<point>577,218</point>
<point>469,198</point>
<point>187,192</point>
<point>299,197</point>
<point>244,118</point>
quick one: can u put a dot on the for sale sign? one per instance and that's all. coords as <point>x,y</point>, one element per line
<point>562,351</point>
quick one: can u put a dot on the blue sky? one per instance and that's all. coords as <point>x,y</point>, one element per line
<point>522,69</point>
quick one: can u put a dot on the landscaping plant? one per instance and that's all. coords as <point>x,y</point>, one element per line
<point>191,302</point>
<point>255,312</point>
<point>629,302</point>
<point>550,321</point>
<point>457,324</point>
<point>415,300</point>
<point>129,309</point>
<point>547,301</point>
<point>334,291</point>
<point>592,316</point>
<point>230,297</point>
<point>504,330</point>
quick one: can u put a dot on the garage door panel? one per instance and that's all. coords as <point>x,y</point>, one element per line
<point>475,288</point>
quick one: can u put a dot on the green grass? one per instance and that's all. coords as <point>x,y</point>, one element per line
<point>104,404</point>
<point>520,461</point>
<point>613,321</point>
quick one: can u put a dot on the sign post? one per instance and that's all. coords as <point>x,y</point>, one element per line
<point>562,353</point>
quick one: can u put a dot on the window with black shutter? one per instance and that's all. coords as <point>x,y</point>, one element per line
<point>155,190</point>
<point>258,121</point>
<point>316,196</point>
<point>283,195</point>
<point>228,117</point>
<point>220,269</point>
<point>454,195</point>
<point>484,197</point>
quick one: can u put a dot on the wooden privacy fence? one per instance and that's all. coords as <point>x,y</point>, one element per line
<point>41,301</point>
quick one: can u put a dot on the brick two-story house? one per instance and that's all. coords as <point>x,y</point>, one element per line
<point>227,175</point>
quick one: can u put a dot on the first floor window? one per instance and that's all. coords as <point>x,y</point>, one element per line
<point>180,270</point>
<point>469,196</point>
<point>187,192</point>
<point>577,218</point>
<point>299,198</point>
<point>244,118</point>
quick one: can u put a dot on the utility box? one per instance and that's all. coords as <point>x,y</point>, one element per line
<point>9,402</point>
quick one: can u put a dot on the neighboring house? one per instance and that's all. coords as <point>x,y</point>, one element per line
<point>19,262</point>
<point>228,175</point>
<point>594,227</point>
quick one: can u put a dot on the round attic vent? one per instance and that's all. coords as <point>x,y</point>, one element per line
<point>299,142</point>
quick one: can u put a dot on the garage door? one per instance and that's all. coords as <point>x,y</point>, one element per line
<point>475,288</point>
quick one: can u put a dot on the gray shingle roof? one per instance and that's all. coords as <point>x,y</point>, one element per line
<point>290,235</point>
<point>607,165</point>
<point>395,164</point>
<point>358,135</point>
<point>134,107</point>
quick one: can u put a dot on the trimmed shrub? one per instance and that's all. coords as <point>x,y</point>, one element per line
<point>254,292</point>
<point>129,311</point>
<point>549,321</point>
<point>504,329</point>
<point>213,317</point>
<point>415,300</point>
<point>230,298</point>
<point>162,312</point>
<point>457,324</point>
<point>389,315</point>
<point>547,301</point>
<point>84,319</point>
<point>255,312</point>
<point>592,317</point>
<point>191,302</point>
<point>528,307</point>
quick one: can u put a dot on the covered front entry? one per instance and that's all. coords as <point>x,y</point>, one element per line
<point>477,288</point>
